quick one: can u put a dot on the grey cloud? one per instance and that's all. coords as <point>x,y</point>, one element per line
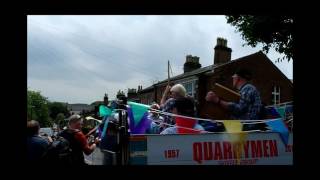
<point>95,54</point>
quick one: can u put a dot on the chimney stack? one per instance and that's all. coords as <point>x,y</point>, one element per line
<point>222,53</point>
<point>192,63</point>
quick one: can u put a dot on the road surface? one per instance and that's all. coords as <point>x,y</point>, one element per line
<point>95,158</point>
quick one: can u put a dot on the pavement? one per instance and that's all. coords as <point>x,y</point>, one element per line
<point>95,158</point>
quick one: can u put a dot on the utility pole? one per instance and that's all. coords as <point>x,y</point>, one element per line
<point>168,72</point>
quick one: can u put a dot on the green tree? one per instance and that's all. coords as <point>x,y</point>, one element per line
<point>60,118</point>
<point>57,107</point>
<point>37,106</point>
<point>271,31</point>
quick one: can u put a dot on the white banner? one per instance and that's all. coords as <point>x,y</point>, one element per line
<point>219,149</point>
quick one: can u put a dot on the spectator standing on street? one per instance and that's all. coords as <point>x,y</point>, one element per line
<point>36,145</point>
<point>78,141</point>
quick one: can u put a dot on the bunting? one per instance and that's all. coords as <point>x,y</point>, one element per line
<point>104,111</point>
<point>232,126</point>
<point>281,111</point>
<point>105,126</point>
<point>138,117</point>
<point>279,126</point>
<point>272,113</point>
<point>236,136</point>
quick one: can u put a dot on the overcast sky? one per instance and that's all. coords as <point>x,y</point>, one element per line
<point>76,59</point>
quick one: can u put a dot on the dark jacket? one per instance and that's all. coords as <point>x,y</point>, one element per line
<point>75,145</point>
<point>36,148</point>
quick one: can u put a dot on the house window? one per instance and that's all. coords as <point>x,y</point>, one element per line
<point>190,88</point>
<point>276,95</point>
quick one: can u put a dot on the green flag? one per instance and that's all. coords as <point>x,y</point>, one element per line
<point>104,111</point>
<point>281,111</point>
<point>138,110</point>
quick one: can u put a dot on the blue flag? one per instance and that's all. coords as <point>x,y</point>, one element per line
<point>105,112</point>
<point>272,113</point>
<point>289,109</point>
<point>279,126</point>
<point>105,126</point>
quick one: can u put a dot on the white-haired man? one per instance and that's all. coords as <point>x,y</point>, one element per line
<point>167,105</point>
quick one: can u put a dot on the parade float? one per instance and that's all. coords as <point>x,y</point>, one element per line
<point>129,144</point>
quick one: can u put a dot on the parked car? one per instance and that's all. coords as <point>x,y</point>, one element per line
<point>46,131</point>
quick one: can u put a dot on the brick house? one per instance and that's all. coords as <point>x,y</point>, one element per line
<point>273,85</point>
<point>78,108</point>
<point>132,94</point>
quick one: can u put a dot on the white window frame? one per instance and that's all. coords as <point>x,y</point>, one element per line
<point>193,85</point>
<point>276,95</point>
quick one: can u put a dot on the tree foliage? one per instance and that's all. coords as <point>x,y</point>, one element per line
<point>37,108</point>
<point>271,31</point>
<point>60,117</point>
<point>57,107</point>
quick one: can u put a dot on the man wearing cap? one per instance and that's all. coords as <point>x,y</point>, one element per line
<point>249,106</point>
<point>78,141</point>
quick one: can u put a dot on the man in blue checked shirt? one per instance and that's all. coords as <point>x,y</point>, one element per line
<point>249,105</point>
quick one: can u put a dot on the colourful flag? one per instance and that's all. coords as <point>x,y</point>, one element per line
<point>281,111</point>
<point>289,112</point>
<point>232,126</point>
<point>104,111</point>
<point>138,117</point>
<point>272,113</point>
<point>279,126</point>
<point>105,126</point>
<point>238,141</point>
<point>289,108</point>
<point>236,136</point>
